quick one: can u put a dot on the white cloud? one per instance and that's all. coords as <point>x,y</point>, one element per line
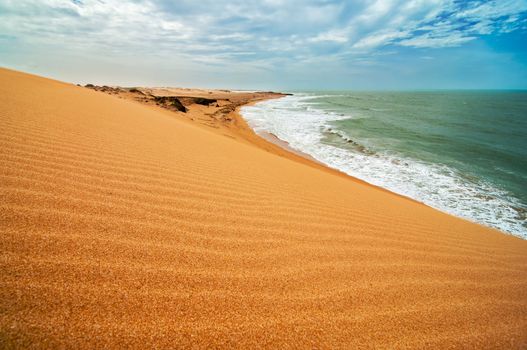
<point>493,9</point>
<point>428,40</point>
<point>331,36</point>
<point>379,39</point>
<point>240,31</point>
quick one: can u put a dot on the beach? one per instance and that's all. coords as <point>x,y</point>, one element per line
<point>461,152</point>
<point>126,223</point>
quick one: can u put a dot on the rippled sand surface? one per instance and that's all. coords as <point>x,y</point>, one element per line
<point>123,226</point>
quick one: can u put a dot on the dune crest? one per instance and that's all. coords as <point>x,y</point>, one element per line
<point>126,226</point>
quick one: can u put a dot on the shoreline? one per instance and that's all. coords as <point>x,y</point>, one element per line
<point>269,136</point>
<point>234,125</point>
<point>284,145</point>
<point>274,144</point>
<point>433,204</point>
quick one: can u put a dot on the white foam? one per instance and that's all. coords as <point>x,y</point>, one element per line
<point>295,120</point>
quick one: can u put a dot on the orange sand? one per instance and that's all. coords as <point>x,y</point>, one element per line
<point>123,225</point>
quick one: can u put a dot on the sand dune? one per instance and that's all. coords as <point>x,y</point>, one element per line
<point>126,226</point>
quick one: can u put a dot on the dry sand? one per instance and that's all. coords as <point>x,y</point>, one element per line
<point>124,225</point>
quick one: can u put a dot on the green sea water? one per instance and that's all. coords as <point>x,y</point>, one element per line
<point>464,152</point>
<point>483,134</point>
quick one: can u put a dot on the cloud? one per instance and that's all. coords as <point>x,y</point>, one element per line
<point>461,22</point>
<point>199,26</point>
<point>330,36</point>
<point>257,35</point>
<point>382,37</point>
<point>428,40</point>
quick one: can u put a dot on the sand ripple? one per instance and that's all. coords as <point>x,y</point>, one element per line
<point>126,227</point>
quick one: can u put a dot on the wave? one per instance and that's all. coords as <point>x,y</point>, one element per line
<point>348,141</point>
<point>304,127</point>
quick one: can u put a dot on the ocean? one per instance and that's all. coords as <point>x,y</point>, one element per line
<point>462,152</point>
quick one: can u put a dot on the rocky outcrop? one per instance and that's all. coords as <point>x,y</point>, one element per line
<point>171,102</point>
<point>104,88</point>
<point>187,101</point>
<point>204,101</point>
<point>135,91</point>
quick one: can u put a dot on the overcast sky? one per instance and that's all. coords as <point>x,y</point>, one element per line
<point>270,44</point>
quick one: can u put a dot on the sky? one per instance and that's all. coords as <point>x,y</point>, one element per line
<point>270,44</point>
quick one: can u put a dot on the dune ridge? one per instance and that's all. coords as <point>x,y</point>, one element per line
<point>126,226</point>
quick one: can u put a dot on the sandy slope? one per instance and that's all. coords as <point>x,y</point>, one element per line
<point>122,225</point>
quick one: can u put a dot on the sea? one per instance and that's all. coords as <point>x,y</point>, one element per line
<point>462,152</point>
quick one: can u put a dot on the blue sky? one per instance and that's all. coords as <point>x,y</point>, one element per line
<point>270,44</point>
